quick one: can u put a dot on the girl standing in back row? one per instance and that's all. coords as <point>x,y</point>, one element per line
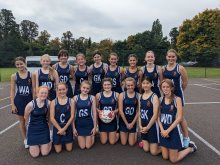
<point>46,76</point>
<point>98,70</point>
<point>114,72</point>
<point>21,93</point>
<point>154,72</point>
<point>81,72</point>
<point>178,75</point>
<point>134,72</point>
<point>64,70</point>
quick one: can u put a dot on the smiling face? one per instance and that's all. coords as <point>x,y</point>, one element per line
<point>97,58</point>
<point>130,85</point>
<point>107,86</point>
<point>43,93</point>
<point>20,65</point>
<point>150,58</point>
<point>167,87</point>
<point>45,61</point>
<point>171,58</point>
<point>61,90</point>
<point>132,61</point>
<point>80,60</point>
<point>113,60</point>
<point>63,58</point>
<point>146,85</point>
<point>85,88</point>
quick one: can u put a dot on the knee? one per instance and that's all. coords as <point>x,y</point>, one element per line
<point>58,151</point>
<point>173,160</point>
<point>69,149</point>
<point>45,153</point>
<point>103,141</point>
<point>112,142</point>
<point>154,152</point>
<point>88,146</point>
<point>34,155</point>
<point>82,147</point>
<point>146,149</point>
<point>165,157</point>
<point>123,142</point>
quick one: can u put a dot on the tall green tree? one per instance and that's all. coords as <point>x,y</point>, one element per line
<point>28,30</point>
<point>197,39</point>
<point>173,37</point>
<point>44,38</point>
<point>67,40</point>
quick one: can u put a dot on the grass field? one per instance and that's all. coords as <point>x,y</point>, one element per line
<point>193,72</point>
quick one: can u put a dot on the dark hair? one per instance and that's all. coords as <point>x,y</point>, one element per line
<point>20,59</point>
<point>133,55</point>
<point>147,79</point>
<point>107,79</point>
<point>96,52</point>
<point>63,51</point>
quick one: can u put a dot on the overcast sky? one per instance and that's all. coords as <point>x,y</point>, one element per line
<point>100,19</point>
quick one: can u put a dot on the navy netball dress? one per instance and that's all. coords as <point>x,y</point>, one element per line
<point>44,80</point>
<point>129,109</point>
<point>108,103</point>
<point>64,76</point>
<point>62,116</point>
<point>80,76</point>
<point>23,93</point>
<point>135,76</point>
<point>38,129</point>
<point>116,78</point>
<point>155,79</point>
<point>84,116</point>
<point>175,76</point>
<point>146,113</point>
<point>167,117</point>
<point>97,76</point>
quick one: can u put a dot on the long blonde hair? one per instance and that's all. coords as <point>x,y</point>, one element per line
<point>51,70</point>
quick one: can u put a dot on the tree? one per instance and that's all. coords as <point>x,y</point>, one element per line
<point>67,40</point>
<point>197,39</point>
<point>44,38</point>
<point>173,37</point>
<point>28,30</point>
<point>156,32</point>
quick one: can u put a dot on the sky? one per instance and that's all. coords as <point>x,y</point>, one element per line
<point>101,19</point>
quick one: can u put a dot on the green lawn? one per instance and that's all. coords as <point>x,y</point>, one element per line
<point>193,72</point>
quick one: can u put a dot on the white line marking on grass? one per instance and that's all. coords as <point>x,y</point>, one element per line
<point>5,98</point>
<point>5,106</point>
<point>6,129</point>
<point>205,84</point>
<point>205,142</point>
<point>195,103</point>
<point>206,87</point>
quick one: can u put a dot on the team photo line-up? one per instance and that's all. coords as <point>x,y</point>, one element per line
<point>108,100</point>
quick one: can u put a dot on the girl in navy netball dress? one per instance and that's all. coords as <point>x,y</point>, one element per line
<point>36,119</point>
<point>107,100</point>
<point>21,93</point>
<point>148,113</point>
<point>61,116</point>
<point>64,70</point>
<point>114,72</point>
<point>81,72</point>
<point>154,72</point>
<point>128,108</point>
<point>98,70</point>
<point>47,76</point>
<point>170,116</point>
<point>134,72</point>
<point>85,122</point>
<point>178,75</point>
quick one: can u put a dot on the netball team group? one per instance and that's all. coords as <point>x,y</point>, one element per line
<point>147,100</point>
